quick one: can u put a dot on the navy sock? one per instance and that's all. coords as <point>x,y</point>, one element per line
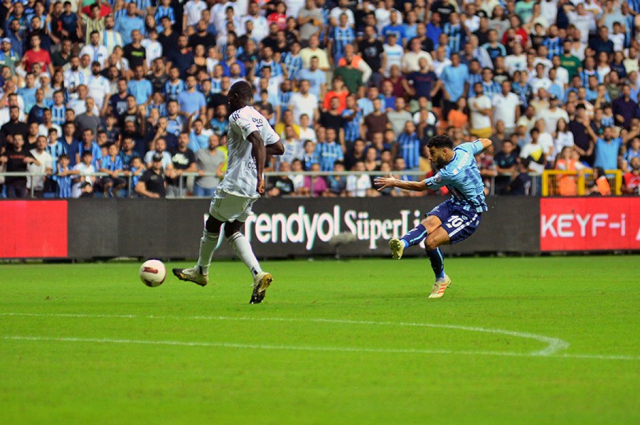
<point>415,236</point>
<point>437,262</point>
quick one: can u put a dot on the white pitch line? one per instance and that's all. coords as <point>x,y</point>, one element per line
<point>313,348</point>
<point>553,344</point>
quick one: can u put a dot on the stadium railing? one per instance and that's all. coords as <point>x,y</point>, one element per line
<point>575,183</point>
<point>183,181</point>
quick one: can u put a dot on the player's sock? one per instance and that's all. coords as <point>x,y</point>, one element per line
<point>415,236</point>
<point>208,244</point>
<point>241,246</point>
<point>437,262</point>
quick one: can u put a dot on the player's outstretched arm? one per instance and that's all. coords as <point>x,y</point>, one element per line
<point>384,182</point>
<point>259,153</point>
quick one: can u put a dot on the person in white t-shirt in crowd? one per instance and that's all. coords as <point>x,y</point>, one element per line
<point>306,132</point>
<point>359,185</point>
<point>517,60</point>
<point>83,184</point>
<point>441,61</point>
<point>193,12</point>
<point>535,152</point>
<point>540,80</point>
<point>551,115</point>
<point>481,113</point>
<point>304,102</point>
<point>563,137</point>
<point>506,108</point>
<point>393,52</point>
<point>411,59</point>
<point>342,8</point>
<point>96,51</point>
<point>46,163</point>
<point>152,47</point>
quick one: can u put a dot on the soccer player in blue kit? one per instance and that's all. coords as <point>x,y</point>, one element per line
<point>453,220</point>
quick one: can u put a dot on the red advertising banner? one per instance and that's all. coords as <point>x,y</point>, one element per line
<point>589,224</point>
<point>33,229</point>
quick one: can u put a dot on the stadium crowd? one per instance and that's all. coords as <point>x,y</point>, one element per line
<point>138,91</point>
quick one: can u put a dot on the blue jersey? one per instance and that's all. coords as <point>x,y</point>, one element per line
<point>462,177</point>
<point>63,188</point>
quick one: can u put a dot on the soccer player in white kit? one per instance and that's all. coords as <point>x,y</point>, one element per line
<point>250,140</point>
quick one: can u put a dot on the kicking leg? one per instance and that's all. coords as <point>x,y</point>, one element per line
<point>208,243</point>
<point>414,236</point>
<point>241,246</point>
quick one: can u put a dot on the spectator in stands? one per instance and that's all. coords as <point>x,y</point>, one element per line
<point>336,185</point>
<point>152,184</point>
<point>315,185</point>
<point>632,151</point>
<point>283,185</point>
<point>209,160</point>
<point>83,183</point>
<point>607,150</point>
<point>359,185</point>
<point>631,182</point>
<point>183,160</point>
<point>481,113</point>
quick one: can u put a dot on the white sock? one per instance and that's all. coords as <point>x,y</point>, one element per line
<point>208,244</point>
<point>241,246</point>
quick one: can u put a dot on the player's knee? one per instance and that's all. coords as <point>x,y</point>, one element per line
<point>431,223</point>
<point>430,243</point>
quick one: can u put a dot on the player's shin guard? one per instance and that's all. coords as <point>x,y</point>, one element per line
<point>415,236</point>
<point>437,262</point>
<point>241,246</point>
<point>208,244</point>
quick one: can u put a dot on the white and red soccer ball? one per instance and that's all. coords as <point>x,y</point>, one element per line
<point>153,273</point>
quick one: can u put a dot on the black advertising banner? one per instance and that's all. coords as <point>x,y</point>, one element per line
<point>292,227</point>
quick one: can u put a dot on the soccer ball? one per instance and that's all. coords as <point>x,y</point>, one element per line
<point>152,273</point>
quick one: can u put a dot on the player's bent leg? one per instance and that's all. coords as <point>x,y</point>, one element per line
<point>199,274</point>
<point>261,279</point>
<point>415,236</point>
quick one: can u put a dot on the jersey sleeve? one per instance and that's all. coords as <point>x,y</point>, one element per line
<point>476,147</point>
<point>270,136</point>
<point>435,182</point>
<point>245,124</point>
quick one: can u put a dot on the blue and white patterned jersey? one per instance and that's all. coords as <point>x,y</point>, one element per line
<point>462,177</point>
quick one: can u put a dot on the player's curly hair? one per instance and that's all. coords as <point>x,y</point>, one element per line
<point>440,141</point>
<point>243,90</point>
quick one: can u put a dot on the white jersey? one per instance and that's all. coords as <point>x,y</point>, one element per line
<point>241,178</point>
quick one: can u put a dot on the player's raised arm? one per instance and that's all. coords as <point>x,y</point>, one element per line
<point>385,182</point>
<point>481,144</point>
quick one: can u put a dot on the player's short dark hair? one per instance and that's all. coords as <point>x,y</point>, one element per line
<point>440,141</point>
<point>87,153</point>
<point>243,90</point>
<point>63,156</point>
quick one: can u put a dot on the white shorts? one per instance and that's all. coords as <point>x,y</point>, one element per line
<point>227,207</point>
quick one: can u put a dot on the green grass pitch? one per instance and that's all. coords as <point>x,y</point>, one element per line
<point>514,341</point>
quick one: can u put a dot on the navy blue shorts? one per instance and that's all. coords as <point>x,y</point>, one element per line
<point>456,221</point>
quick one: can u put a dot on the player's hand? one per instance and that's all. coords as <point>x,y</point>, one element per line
<point>385,182</point>
<point>260,187</point>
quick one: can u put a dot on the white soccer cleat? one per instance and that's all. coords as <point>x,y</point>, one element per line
<point>192,275</point>
<point>397,248</point>
<point>440,286</point>
<point>260,284</point>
